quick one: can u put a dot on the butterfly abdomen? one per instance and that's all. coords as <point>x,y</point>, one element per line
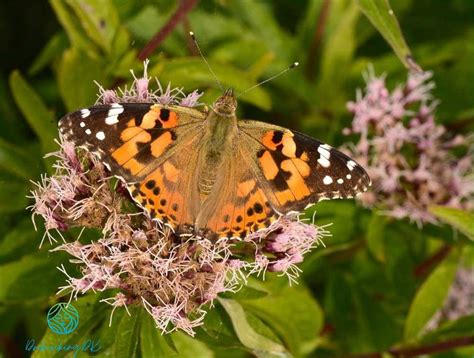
<point>221,129</point>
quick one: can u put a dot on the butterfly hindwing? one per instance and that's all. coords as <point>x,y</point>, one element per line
<point>238,204</point>
<point>300,170</point>
<point>169,192</point>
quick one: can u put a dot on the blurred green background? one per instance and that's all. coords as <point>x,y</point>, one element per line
<point>378,281</point>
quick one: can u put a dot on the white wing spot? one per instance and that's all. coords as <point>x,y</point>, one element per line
<point>351,165</point>
<point>85,113</point>
<point>324,162</point>
<point>100,135</point>
<point>324,155</point>
<point>340,181</point>
<point>88,131</point>
<point>327,180</point>
<point>348,176</point>
<point>82,124</point>
<point>112,115</point>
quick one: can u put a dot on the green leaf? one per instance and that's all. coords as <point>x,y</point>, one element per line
<point>217,330</point>
<point>246,293</point>
<point>383,18</point>
<point>246,333</point>
<point>99,19</point>
<point>126,340</point>
<point>460,219</point>
<point>463,326</point>
<point>293,313</point>
<point>21,239</point>
<point>337,53</point>
<point>259,18</point>
<point>32,277</point>
<point>38,116</point>
<point>17,161</point>
<point>152,342</point>
<point>375,236</point>
<point>53,49</point>
<point>76,76</point>
<point>190,347</point>
<point>72,26</point>
<point>431,295</point>
<point>13,196</point>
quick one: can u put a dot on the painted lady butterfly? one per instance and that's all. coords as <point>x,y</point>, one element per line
<point>209,172</point>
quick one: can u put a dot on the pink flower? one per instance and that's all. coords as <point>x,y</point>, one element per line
<point>407,155</point>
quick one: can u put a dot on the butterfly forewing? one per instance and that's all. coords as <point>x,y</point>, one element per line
<point>130,138</point>
<point>300,170</point>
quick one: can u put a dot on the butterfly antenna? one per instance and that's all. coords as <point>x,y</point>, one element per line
<point>205,60</point>
<point>290,67</point>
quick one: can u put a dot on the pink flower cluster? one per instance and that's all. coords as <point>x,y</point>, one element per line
<point>174,277</point>
<point>407,155</point>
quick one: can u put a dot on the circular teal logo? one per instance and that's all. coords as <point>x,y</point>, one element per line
<point>63,318</point>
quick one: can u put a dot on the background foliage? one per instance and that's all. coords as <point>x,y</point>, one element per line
<point>378,281</point>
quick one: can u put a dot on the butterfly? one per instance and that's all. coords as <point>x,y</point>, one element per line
<point>208,172</point>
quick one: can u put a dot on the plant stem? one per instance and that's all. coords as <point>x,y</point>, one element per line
<point>185,6</point>
<point>316,42</point>
<point>423,268</point>
<point>407,352</point>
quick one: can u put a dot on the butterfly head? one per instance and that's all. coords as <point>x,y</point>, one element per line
<point>226,104</point>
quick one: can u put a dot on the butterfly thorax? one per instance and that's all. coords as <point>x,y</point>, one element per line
<point>221,128</point>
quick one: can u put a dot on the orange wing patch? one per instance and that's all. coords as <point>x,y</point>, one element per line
<point>281,165</point>
<point>158,117</point>
<point>250,212</point>
<point>129,149</point>
<point>158,194</point>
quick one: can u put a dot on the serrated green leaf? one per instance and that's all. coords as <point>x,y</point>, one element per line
<point>247,335</point>
<point>76,76</point>
<point>381,15</point>
<point>460,219</point>
<point>431,295</point>
<point>152,342</point>
<point>38,116</point>
<point>126,341</point>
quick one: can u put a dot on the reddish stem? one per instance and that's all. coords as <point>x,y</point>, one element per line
<point>408,352</point>
<point>185,6</point>
<point>422,269</point>
<point>318,34</point>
